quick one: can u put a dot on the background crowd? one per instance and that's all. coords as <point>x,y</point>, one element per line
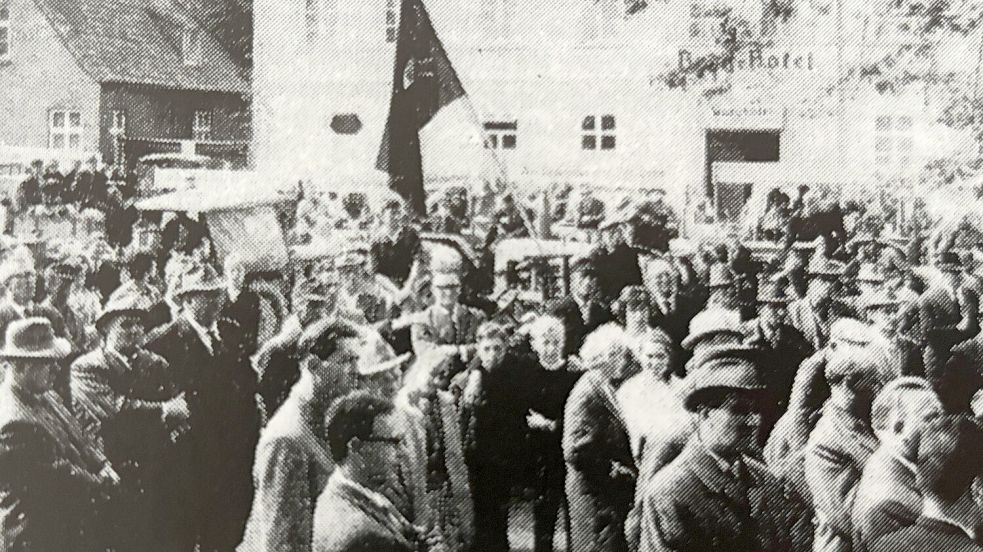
<point>679,397</point>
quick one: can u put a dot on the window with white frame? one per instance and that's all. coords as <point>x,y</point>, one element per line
<point>893,146</point>
<point>201,126</point>
<point>117,122</point>
<point>392,18</point>
<point>4,31</point>
<point>65,130</point>
<point>501,135</point>
<point>598,132</point>
<point>192,46</point>
<point>321,18</point>
<point>601,20</point>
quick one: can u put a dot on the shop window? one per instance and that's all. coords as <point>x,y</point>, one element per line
<point>893,146</point>
<point>4,32</point>
<point>501,135</point>
<point>598,132</point>
<point>201,127</point>
<point>65,130</point>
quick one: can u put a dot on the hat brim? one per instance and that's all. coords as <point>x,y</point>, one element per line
<point>774,300</point>
<point>215,288</point>
<point>385,366</point>
<point>707,382</point>
<point>690,341</point>
<point>105,316</point>
<point>60,348</point>
<point>949,267</point>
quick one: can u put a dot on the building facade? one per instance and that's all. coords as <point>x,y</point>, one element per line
<point>117,78</point>
<point>578,92</point>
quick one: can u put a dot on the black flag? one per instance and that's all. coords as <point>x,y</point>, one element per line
<point>423,82</point>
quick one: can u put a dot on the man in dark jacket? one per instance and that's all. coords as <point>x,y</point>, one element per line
<point>53,478</point>
<point>949,314</point>
<point>352,514</point>
<point>581,312</point>
<point>125,397</point>
<point>781,349</point>
<point>947,464</point>
<point>213,490</point>
<point>714,495</point>
<point>493,412</point>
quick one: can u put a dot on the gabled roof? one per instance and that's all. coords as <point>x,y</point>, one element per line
<point>139,42</point>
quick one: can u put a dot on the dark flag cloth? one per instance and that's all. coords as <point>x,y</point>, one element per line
<point>423,82</point>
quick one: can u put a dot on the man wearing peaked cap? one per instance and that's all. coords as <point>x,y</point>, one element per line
<point>219,385</point>
<point>124,395</point>
<point>781,349</point>
<point>730,500</point>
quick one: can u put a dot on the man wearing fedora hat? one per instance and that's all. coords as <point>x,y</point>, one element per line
<point>948,313</point>
<point>213,491</point>
<point>714,495</point>
<point>781,349</point>
<point>54,480</point>
<point>815,313</point>
<point>19,280</point>
<point>618,255</point>
<point>124,396</point>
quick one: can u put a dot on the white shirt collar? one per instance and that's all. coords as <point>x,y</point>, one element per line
<point>202,332</point>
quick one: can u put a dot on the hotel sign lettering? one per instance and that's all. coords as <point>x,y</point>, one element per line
<point>754,59</point>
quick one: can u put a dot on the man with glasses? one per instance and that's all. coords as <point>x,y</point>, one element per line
<point>447,323</point>
<point>353,514</point>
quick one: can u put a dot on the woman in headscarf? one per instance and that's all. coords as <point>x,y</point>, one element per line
<point>601,471</point>
<point>449,516</point>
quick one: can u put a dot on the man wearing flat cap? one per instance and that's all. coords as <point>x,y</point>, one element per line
<point>213,491</point>
<point>714,495</point>
<point>54,480</point>
<point>124,397</point>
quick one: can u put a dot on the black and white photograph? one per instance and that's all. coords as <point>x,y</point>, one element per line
<point>491,275</point>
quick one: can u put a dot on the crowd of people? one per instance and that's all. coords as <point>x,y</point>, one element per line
<point>684,397</point>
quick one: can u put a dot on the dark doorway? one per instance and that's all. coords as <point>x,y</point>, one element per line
<point>736,145</point>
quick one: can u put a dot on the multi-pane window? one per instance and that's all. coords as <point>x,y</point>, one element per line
<point>117,123</point>
<point>4,32</point>
<point>201,126</point>
<point>321,18</point>
<point>191,46</point>
<point>893,145</point>
<point>65,130</point>
<point>391,20</point>
<point>598,132</point>
<point>501,134</point>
